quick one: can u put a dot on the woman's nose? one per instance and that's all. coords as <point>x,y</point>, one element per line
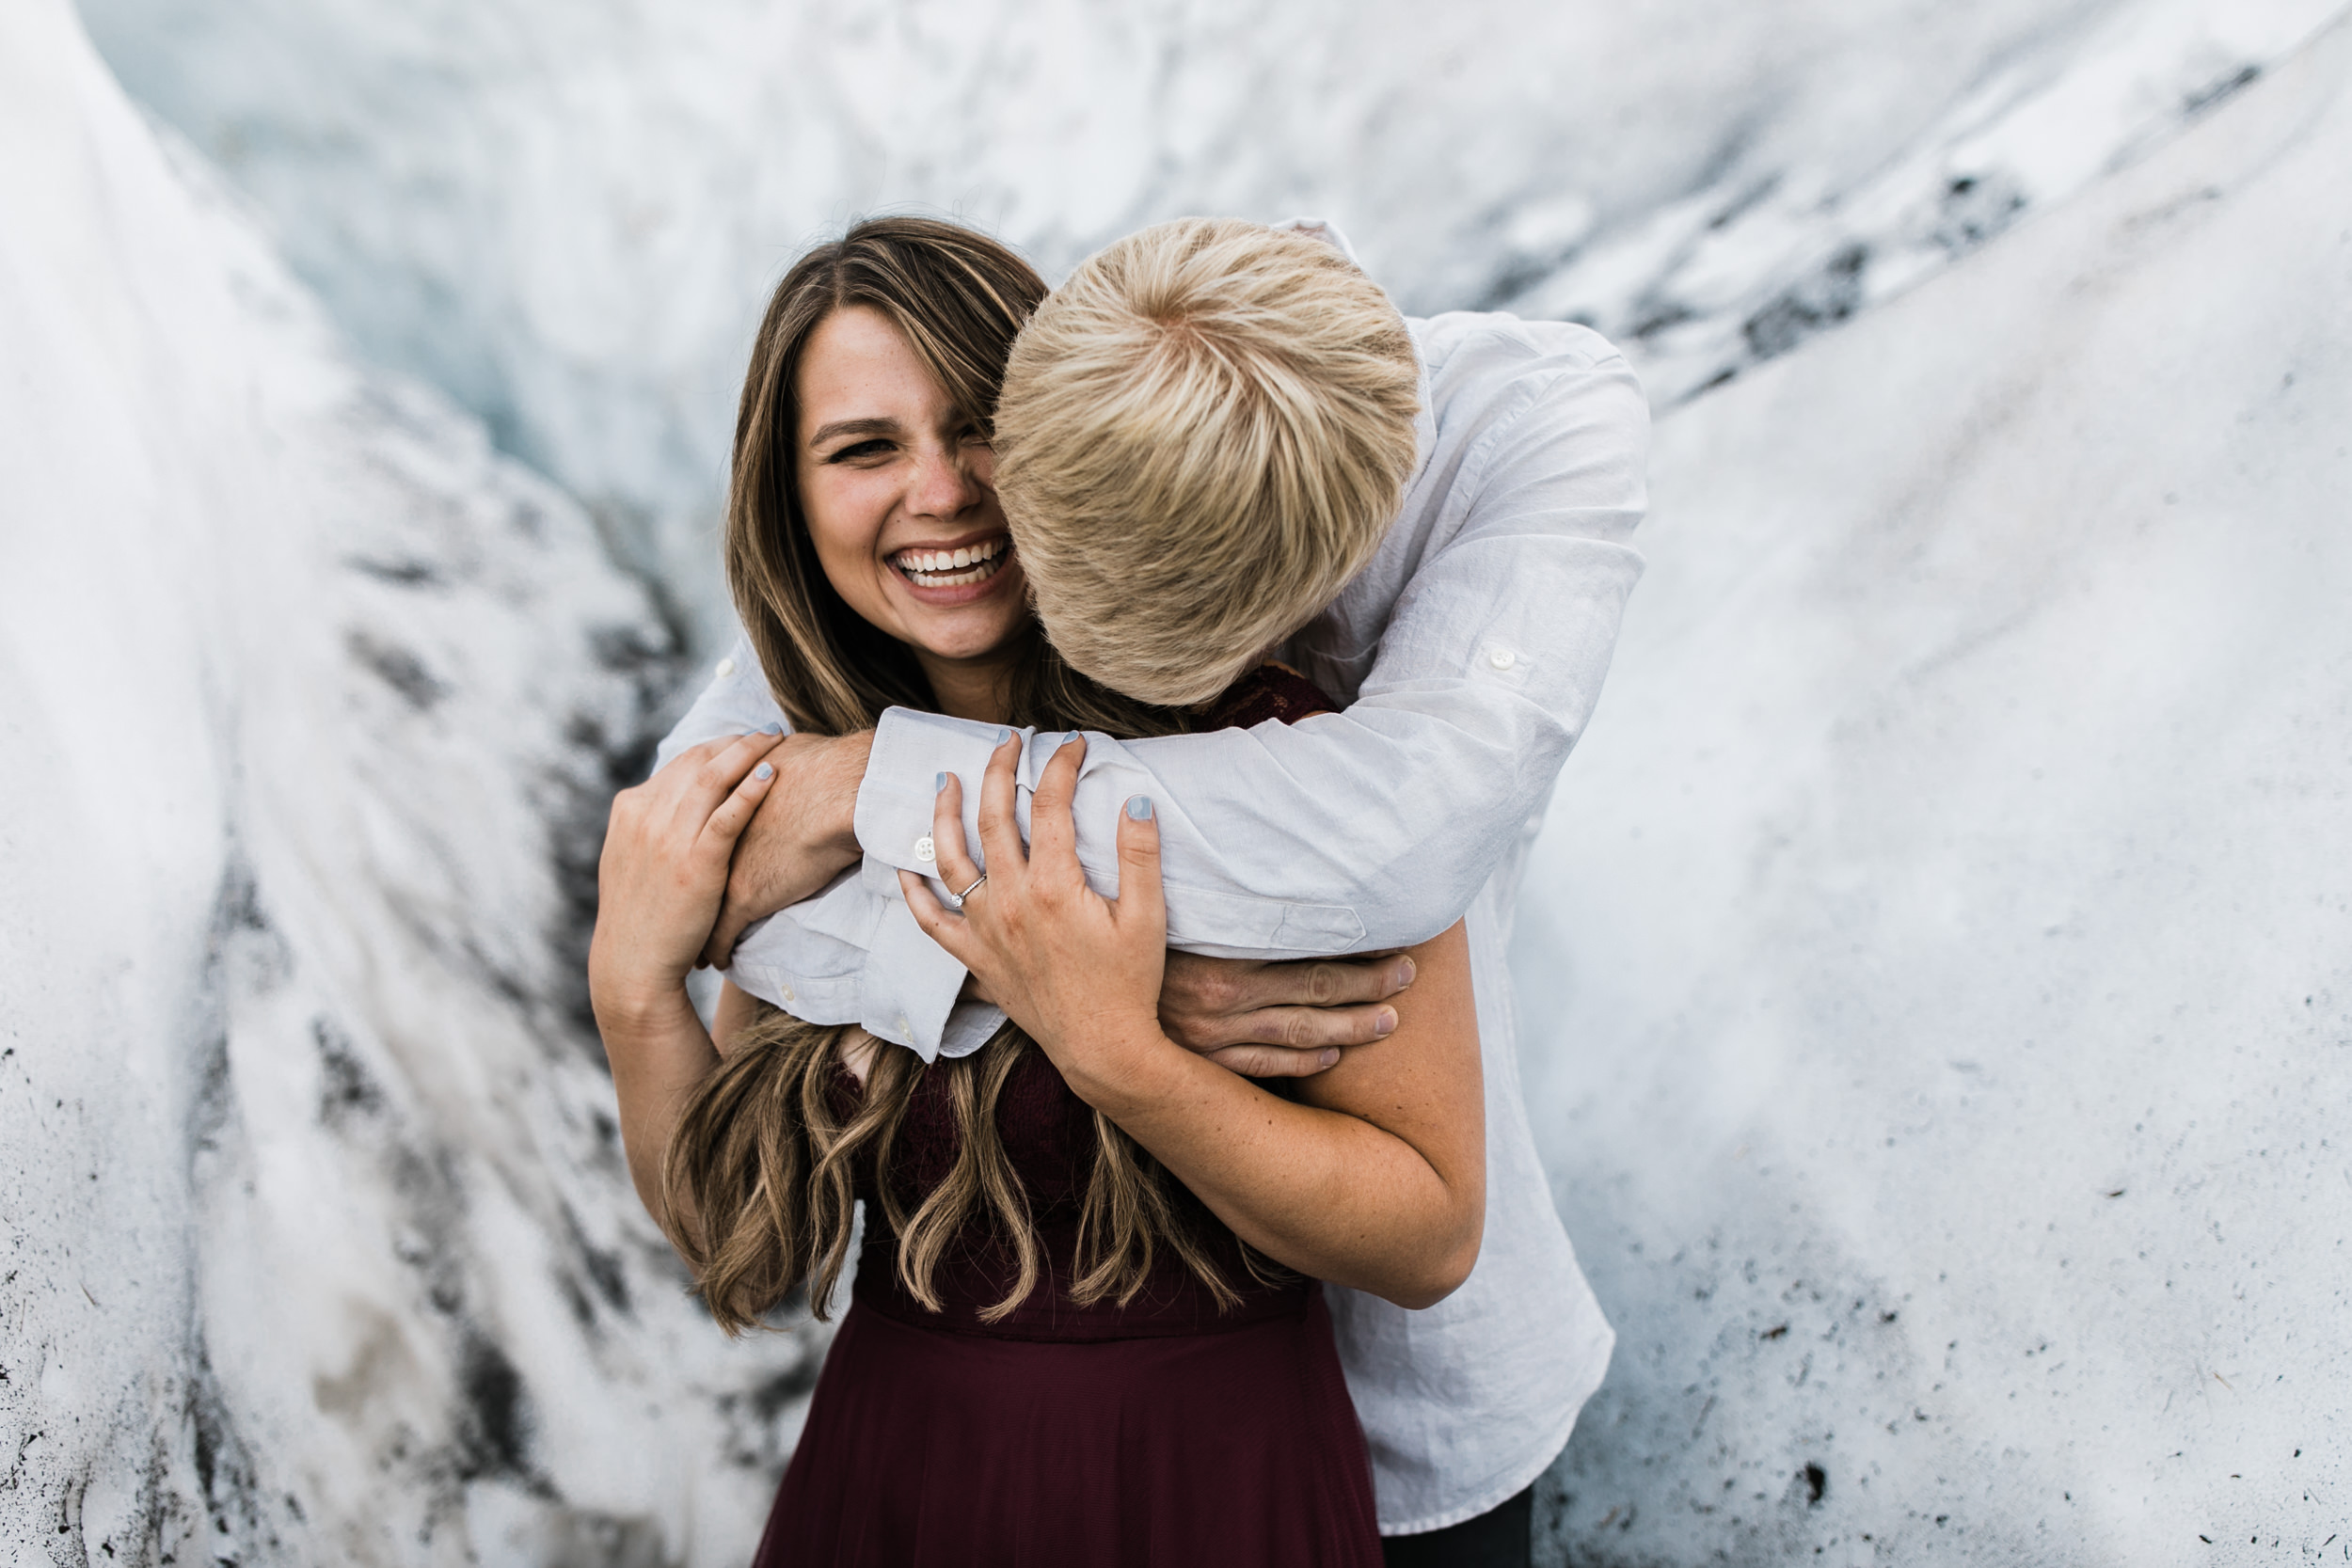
<point>944,485</point>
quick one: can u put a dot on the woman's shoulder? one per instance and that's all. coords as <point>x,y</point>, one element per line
<point>1272,690</point>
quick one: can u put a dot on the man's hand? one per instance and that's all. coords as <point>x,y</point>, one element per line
<point>1279,1019</point>
<point>802,838</point>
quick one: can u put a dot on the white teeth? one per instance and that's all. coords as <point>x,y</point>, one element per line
<point>939,568</point>
<point>952,568</point>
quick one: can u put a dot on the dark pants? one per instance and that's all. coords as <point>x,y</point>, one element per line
<point>1500,1538</point>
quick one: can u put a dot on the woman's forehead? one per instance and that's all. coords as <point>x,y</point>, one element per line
<point>859,366</point>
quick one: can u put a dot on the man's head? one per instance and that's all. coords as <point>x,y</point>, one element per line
<point>1202,436</point>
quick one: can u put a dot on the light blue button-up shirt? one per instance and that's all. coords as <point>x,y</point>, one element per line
<point>1468,656</point>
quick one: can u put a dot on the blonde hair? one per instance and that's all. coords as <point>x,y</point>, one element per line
<point>760,1168</point>
<point>1202,436</point>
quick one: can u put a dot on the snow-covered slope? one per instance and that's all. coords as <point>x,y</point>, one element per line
<point>567,215</point>
<point>319,1245</point>
<point>1936,976</point>
<point>1938,968</point>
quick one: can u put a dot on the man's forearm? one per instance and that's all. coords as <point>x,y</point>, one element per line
<point>1360,831</point>
<point>803,836</point>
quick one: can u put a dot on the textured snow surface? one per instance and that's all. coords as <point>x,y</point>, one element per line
<point>1938,979</point>
<point>1937,969</point>
<point>567,215</point>
<point>319,1245</point>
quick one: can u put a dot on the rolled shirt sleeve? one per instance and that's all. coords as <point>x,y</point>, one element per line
<point>1376,827</point>
<point>736,702</point>
<point>1471,653</point>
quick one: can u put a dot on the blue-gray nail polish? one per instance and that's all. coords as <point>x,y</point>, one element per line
<point>939,783</point>
<point>1003,735</point>
<point>763,771</point>
<point>771,729</point>
<point>1140,808</point>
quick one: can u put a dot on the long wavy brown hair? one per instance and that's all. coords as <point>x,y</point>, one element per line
<point>761,1173</point>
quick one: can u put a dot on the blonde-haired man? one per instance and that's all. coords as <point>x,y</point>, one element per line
<point>1228,428</point>
<point>1204,434</point>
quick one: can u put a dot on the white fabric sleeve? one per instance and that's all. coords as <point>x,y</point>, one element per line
<point>1375,828</point>
<point>736,702</point>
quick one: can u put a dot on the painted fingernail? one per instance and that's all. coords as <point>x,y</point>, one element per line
<point>939,783</point>
<point>1386,1023</point>
<point>1330,1059</point>
<point>1003,735</point>
<point>771,729</point>
<point>1139,807</point>
<point>1407,974</point>
<point>763,771</point>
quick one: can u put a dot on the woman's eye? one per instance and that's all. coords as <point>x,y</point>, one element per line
<point>874,447</point>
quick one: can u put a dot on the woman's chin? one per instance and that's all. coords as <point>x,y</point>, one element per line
<point>967,620</point>
<point>977,628</point>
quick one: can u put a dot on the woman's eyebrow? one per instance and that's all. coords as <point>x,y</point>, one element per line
<point>854,427</point>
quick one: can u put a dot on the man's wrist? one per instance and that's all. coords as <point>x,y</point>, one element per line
<point>844,774</point>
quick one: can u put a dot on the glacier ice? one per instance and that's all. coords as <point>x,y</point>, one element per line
<point>1934,969</point>
<point>320,1245</point>
<point>1939,1002</point>
<point>567,215</point>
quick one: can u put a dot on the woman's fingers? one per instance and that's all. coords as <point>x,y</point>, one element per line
<point>948,847</point>
<point>1142,907</point>
<point>700,777</point>
<point>1052,825</point>
<point>1000,833</point>
<point>734,813</point>
<point>937,923</point>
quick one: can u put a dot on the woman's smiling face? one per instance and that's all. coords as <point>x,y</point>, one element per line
<point>900,493</point>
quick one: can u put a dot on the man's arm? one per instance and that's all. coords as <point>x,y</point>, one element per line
<point>1373,829</point>
<point>1360,831</point>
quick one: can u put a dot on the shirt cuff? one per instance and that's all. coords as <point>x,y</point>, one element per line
<point>809,959</point>
<point>911,985</point>
<point>894,800</point>
<point>970,1027</point>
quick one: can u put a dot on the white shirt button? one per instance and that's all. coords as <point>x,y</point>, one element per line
<point>726,668</point>
<point>1502,658</point>
<point>905,1028</point>
<point>923,850</point>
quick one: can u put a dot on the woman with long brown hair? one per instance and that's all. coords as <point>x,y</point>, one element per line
<point>1085,1322</point>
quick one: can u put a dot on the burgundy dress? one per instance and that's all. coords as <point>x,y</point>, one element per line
<point>1164,1432</point>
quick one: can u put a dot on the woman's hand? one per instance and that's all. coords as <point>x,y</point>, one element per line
<point>664,868</point>
<point>1079,972</point>
<point>1374,1178</point>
